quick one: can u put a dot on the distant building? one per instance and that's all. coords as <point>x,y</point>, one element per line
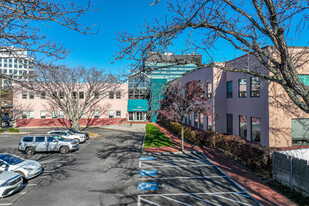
<point>250,107</point>
<point>146,90</point>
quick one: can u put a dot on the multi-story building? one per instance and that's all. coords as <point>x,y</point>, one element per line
<point>250,107</point>
<point>32,109</point>
<point>146,90</point>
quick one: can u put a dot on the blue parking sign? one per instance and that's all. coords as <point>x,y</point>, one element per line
<point>147,158</point>
<point>147,186</point>
<point>147,172</point>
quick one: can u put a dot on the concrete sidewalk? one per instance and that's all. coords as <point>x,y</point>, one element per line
<point>244,178</point>
<point>126,127</point>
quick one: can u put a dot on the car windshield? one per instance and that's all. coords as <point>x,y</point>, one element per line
<point>11,159</point>
<point>71,133</point>
<point>58,138</point>
<point>73,130</point>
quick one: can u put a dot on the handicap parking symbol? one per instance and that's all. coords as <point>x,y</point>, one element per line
<point>147,158</point>
<point>147,172</point>
<point>147,186</point>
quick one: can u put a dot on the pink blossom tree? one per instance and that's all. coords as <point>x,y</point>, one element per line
<point>182,100</point>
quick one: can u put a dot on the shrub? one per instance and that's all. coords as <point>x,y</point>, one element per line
<point>251,155</point>
<point>11,129</point>
<point>1,130</point>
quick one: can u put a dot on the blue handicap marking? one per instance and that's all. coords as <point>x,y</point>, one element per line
<point>147,158</point>
<point>147,172</point>
<point>147,186</point>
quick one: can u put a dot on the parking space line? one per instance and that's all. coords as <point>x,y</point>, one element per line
<point>203,200</point>
<point>143,165</point>
<point>148,202</point>
<point>171,178</point>
<point>232,200</point>
<point>6,204</point>
<point>174,200</point>
<point>198,193</point>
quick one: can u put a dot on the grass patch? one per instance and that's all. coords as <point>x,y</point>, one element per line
<point>155,138</point>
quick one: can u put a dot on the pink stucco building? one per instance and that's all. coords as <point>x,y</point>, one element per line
<point>251,107</point>
<point>32,110</point>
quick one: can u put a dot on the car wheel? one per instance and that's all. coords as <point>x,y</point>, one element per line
<point>29,150</point>
<point>64,150</point>
<point>78,141</point>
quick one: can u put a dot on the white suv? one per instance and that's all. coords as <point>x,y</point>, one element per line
<point>69,135</point>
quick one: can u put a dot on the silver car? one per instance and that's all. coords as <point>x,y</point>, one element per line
<point>66,134</point>
<point>46,143</point>
<point>10,182</point>
<point>26,168</point>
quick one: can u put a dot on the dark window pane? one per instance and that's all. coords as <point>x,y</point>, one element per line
<point>229,89</point>
<point>229,124</point>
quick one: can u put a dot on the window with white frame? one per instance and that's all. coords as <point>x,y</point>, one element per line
<point>24,115</point>
<point>96,114</point>
<point>31,114</point>
<point>118,114</point>
<point>43,114</point>
<point>61,114</point>
<point>54,114</point>
<point>111,114</point>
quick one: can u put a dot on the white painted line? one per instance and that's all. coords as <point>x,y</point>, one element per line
<point>149,166</point>
<point>203,200</point>
<point>22,193</point>
<point>244,191</point>
<point>232,200</point>
<point>148,202</point>
<point>175,200</point>
<point>172,178</point>
<point>201,193</point>
<point>31,184</point>
<point>6,204</point>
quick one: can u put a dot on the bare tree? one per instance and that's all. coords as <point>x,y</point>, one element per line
<point>182,100</point>
<point>76,91</point>
<point>248,26</point>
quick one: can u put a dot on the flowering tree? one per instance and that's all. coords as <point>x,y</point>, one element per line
<point>181,100</point>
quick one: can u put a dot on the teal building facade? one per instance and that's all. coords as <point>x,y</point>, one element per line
<point>146,90</point>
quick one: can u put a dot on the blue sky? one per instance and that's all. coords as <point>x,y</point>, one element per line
<point>116,16</point>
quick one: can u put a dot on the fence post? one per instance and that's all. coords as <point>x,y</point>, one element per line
<point>291,172</point>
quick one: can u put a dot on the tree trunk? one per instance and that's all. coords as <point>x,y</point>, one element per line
<point>182,138</point>
<point>75,124</point>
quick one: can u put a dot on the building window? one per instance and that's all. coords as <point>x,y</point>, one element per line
<point>118,95</point>
<point>118,114</point>
<point>195,119</point>
<point>10,63</point>
<point>31,95</point>
<point>255,129</point>
<point>111,114</point>
<point>96,95</point>
<point>61,114</point>
<point>61,95</point>
<point>209,123</point>
<point>54,114</point>
<point>5,62</point>
<point>209,90</point>
<point>229,124</point>
<point>20,63</point>
<point>255,85</point>
<point>81,95</point>
<point>24,95</point>
<point>189,119</point>
<point>74,94</point>
<point>201,120</point>
<point>54,95</point>
<point>15,63</point>
<point>96,114</point>
<point>242,88</point>
<point>111,94</point>
<point>243,126</point>
<point>229,89</point>
<point>24,115</point>
<point>31,114</point>
<point>130,116</point>
<point>43,95</point>
<point>43,114</point>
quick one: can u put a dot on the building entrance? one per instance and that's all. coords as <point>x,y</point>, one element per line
<point>137,116</point>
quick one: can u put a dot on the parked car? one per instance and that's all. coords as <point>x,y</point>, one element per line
<point>66,134</point>
<point>79,132</point>
<point>26,168</point>
<point>46,143</point>
<point>10,182</point>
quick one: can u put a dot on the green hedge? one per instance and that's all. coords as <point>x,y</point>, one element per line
<point>1,130</point>
<point>251,155</point>
<point>11,129</point>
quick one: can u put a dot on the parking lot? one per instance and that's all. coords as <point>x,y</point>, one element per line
<point>186,179</point>
<point>52,162</point>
